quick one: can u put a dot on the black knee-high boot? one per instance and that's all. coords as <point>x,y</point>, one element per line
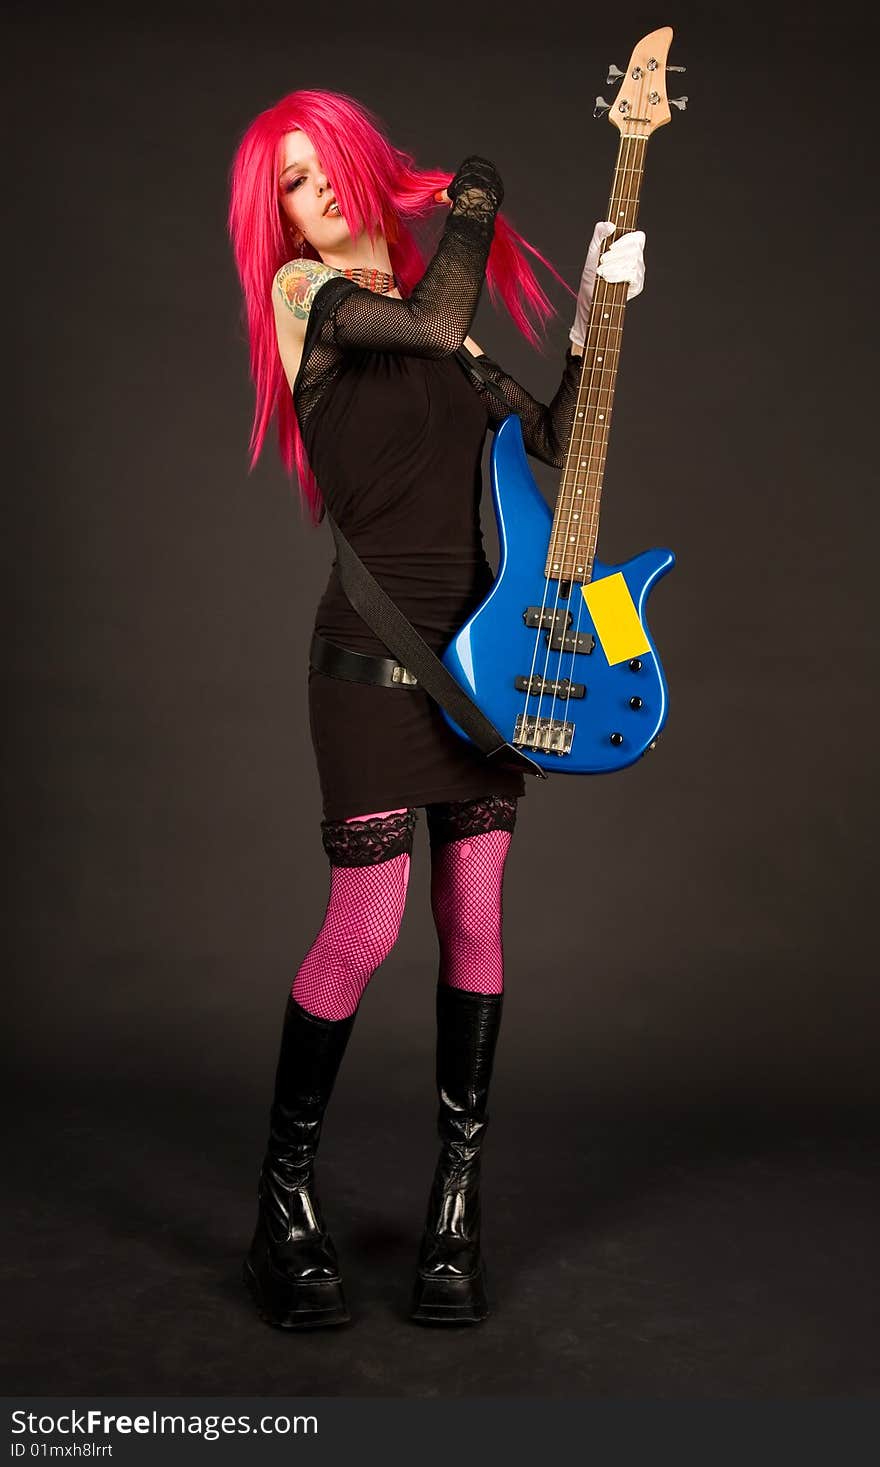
<point>291,1268</point>
<point>450,1285</point>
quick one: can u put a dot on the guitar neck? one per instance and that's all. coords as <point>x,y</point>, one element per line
<point>572,548</point>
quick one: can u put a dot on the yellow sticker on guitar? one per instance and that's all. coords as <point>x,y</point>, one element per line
<point>615,618</point>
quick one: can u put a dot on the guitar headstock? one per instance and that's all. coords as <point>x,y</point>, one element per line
<point>642,105</point>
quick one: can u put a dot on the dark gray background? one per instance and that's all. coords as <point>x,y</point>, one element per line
<point>693,936</point>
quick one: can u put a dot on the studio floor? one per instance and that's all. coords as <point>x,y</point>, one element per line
<point>648,1251</point>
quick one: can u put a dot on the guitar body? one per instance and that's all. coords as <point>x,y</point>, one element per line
<point>624,702</point>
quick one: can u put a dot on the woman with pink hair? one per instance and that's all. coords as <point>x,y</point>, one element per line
<point>361,349</point>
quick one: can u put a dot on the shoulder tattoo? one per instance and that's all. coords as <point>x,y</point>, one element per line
<point>298,281</point>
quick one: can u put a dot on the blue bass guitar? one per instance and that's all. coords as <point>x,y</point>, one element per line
<point>559,656</point>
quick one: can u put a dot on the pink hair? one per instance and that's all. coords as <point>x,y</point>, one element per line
<point>379,190</point>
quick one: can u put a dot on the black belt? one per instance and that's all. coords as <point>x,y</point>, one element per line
<point>356,667</point>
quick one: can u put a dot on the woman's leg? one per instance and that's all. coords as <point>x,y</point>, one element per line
<point>292,1269</point>
<point>369,874</point>
<point>469,845</point>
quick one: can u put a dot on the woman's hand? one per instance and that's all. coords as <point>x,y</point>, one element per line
<point>476,180</point>
<point>478,175</point>
<point>623,260</point>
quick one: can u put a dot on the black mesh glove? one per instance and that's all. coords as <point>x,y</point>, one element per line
<point>477,175</point>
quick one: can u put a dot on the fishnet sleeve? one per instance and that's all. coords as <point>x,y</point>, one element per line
<point>436,316</point>
<point>546,429</point>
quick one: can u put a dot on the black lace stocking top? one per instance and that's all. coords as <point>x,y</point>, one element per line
<point>394,430</point>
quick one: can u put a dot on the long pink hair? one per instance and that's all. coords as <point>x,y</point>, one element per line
<point>379,189</point>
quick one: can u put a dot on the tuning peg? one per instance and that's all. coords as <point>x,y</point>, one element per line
<point>676,68</point>
<point>679,102</point>
<point>614,75</point>
<point>601,107</point>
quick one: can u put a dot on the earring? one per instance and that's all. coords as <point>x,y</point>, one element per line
<point>302,246</point>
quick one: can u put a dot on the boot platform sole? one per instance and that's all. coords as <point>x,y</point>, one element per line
<point>319,1304</point>
<point>449,1300</point>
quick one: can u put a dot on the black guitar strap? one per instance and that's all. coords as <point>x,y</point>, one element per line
<point>385,618</point>
<point>471,366</point>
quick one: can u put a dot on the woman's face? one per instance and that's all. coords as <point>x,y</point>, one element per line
<point>306,195</point>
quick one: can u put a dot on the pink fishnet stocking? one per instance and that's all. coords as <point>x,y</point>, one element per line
<point>466,885</point>
<point>363,915</point>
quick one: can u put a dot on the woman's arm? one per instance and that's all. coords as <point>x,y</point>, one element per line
<point>477,351</point>
<point>434,319</point>
<point>546,428</point>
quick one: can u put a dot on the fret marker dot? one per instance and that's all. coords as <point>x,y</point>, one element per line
<point>601,416</point>
<point>598,359</point>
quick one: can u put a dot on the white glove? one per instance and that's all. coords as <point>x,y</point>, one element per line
<point>623,260</point>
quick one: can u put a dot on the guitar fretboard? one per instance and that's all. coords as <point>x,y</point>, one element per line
<point>572,548</point>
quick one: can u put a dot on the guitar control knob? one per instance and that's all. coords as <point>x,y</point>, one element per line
<point>636,664</point>
<point>616,738</point>
<point>635,702</point>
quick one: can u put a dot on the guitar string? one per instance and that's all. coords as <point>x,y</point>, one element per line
<point>615,317</point>
<point>614,329</point>
<point>621,194</point>
<point>582,405</point>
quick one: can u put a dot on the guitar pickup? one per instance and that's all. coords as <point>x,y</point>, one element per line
<point>547,616</point>
<point>565,642</point>
<point>561,687</point>
<point>551,735</point>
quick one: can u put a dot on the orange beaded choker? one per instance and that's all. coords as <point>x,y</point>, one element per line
<point>378,280</point>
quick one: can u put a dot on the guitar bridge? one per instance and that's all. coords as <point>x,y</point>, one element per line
<point>551,735</point>
<point>560,687</point>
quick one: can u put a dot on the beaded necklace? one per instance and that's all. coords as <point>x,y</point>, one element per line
<point>379,280</point>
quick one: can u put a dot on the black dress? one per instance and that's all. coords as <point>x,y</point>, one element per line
<point>394,431</point>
